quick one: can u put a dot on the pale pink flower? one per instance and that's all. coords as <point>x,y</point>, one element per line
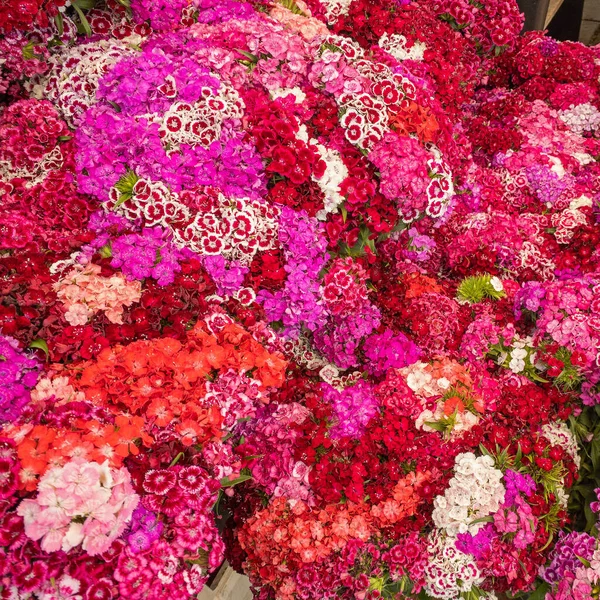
<point>83,503</point>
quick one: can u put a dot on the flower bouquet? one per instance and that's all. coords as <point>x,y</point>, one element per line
<point>309,286</point>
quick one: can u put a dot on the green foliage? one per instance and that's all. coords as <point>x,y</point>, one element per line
<point>477,288</point>
<point>365,240</point>
<point>41,345</point>
<point>586,429</point>
<point>244,476</point>
<point>28,51</point>
<point>292,6</point>
<point>60,25</point>
<point>83,25</point>
<point>570,378</point>
<point>125,187</point>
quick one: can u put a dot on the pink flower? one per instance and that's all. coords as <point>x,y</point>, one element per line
<point>83,503</point>
<point>78,314</point>
<point>160,481</point>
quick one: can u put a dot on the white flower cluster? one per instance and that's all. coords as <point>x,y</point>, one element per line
<point>519,355</point>
<point>335,9</point>
<point>566,223</point>
<point>517,360</point>
<point>581,118</point>
<point>199,123</point>
<point>396,45</point>
<point>299,95</point>
<point>513,184</point>
<point>449,572</point>
<point>335,169</point>
<point>331,375</point>
<point>474,492</point>
<point>75,73</point>
<point>463,421</point>
<point>420,380</point>
<point>558,434</point>
<point>440,190</point>
<point>35,174</point>
<point>302,352</point>
<point>365,116</point>
<point>531,257</point>
<point>335,173</point>
<point>237,228</point>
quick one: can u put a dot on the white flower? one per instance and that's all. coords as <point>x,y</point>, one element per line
<point>519,353</point>
<point>516,365</point>
<point>335,9</point>
<point>302,133</point>
<point>395,45</point>
<point>558,434</point>
<point>557,166</point>
<point>328,373</point>
<point>418,378</point>
<point>335,173</point>
<point>422,420</point>
<point>474,492</point>
<point>443,383</point>
<point>104,475</point>
<point>496,284</point>
<point>449,572</point>
<point>580,202</point>
<point>299,95</point>
<point>581,118</point>
<point>73,537</point>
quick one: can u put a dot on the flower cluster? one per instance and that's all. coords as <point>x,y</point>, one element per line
<point>308,284</point>
<point>18,376</point>
<point>83,503</point>
<point>84,292</point>
<point>474,492</point>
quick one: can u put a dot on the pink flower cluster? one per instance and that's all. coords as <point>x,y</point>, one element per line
<point>81,504</point>
<point>84,292</point>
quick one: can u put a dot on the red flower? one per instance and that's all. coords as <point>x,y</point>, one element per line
<point>160,481</point>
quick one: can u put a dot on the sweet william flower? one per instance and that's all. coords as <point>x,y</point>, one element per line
<point>80,503</point>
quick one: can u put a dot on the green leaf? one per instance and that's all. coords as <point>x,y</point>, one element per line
<point>437,425</point>
<point>28,52</point>
<point>535,377</point>
<point>251,57</point>
<point>105,251</point>
<point>177,459</point>
<point>84,4</point>
<point>40,345</point>
<point>84,22</point>
<point>127,182</point>
<point>60,25</point>
<point>586,563</point>
<point>123,198</point>
<point>590,517</point>
<point>595,453</point>
<point>125,186</point>
<point>226,482</point>
<point>292,6</point>
<point>540,592</point>
<point>115,106</point>
<point>489,519</point>
<point>477,288</point>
